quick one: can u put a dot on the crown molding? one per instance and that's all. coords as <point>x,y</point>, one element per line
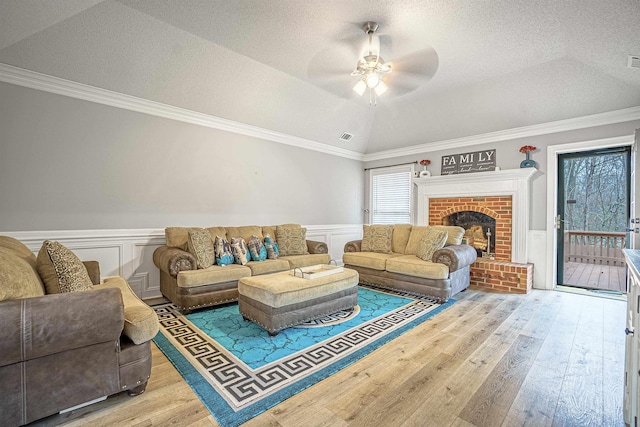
<point>600,119</point>
<point>34,80</point>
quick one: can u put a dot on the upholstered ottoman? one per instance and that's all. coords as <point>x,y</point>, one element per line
<point>279,300</point>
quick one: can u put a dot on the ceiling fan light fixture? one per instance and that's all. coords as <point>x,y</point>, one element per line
<point>360,87</point>
<point>371,68</point>
<point>381,88</point>
<point>372,79</point>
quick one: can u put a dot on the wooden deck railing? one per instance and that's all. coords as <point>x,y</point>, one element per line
<point>594,247</point>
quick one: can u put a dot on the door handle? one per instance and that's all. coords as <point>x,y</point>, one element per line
<point>559,222</point>
<point>628,331</point>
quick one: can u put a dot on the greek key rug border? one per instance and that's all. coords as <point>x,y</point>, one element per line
<point>239,385</point>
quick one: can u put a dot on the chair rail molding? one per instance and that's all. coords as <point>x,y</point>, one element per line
<point>129,252</point>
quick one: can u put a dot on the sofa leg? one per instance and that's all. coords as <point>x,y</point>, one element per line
<point>137,391</point>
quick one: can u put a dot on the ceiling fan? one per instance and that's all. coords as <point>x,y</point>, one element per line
<point>333,67</point>
<point>371,68</point>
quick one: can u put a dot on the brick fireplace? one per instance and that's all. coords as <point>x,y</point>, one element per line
<point>501,195</point>
<point>499,208</point>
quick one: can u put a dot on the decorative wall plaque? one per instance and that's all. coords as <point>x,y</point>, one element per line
<point>477,161</point>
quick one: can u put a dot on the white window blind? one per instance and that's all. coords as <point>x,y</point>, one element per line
<point>391,195</point>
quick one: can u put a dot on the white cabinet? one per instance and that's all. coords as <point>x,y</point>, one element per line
<point>632,342</point>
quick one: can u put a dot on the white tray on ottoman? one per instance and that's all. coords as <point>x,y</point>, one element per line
<point>280,300</point>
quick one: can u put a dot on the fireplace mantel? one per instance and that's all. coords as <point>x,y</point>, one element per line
<point>512,182</point>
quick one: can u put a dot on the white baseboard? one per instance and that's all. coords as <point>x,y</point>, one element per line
<point>129,252</point>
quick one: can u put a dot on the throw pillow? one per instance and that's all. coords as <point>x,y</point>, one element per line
<point>61,270</point>
<point>223,252</point>
<point>377,238</point>
<point>256,249</point>
<point>272,247</point>
<point>292,240</point>
<point>200,246</point>
<point>414,239</point>
<point>240,251</point>
<point>431,241</point>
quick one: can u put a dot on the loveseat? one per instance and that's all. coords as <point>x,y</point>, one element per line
<point>190,287</point>
<point>390,259</point>
<point>61,350</point>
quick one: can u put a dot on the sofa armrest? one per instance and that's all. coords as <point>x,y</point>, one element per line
<point>93,268</point>
<point>455,256</point>
<point>40,326</point>
<point>317,247</point>
<point>173,260</point>
<point>353,246</point>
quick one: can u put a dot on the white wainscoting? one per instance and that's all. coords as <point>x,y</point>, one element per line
<point>129,253</point>
<point>537,243</point>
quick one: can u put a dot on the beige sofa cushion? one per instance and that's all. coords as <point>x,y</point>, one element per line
<point>306,260</point>
<point>373,260</point>
<point>217,231</point>
<point>267,266</point>
<point>212,275</point>
<point>411,265</point>
<point>454,233</point>
<point>270,230</point>
<point>377,238</point>
<point>177,237</point>
<point>401,233</point>
<point>61,270</point>
<point>245,231</point>
<point>18,279</point>
<point>282,289</point>
<point>140,321</point>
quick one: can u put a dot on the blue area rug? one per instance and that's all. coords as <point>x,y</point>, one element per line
<point>238,371</point>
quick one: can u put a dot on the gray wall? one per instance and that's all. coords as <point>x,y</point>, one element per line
<point>67,164</point>
<point>508,157</point>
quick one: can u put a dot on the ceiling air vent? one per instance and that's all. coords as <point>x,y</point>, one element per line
<point>346,137</point>
<point>634,61</point>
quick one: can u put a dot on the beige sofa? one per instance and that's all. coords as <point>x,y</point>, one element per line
<point>189,287</point>
<point>61,350</point>
<point>446,274</point>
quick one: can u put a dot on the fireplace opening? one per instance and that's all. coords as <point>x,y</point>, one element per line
<point>480,230</point>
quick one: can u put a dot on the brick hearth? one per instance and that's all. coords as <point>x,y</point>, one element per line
<point>499,274</point>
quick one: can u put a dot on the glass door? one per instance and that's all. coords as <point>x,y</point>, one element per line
<point>592,218</point>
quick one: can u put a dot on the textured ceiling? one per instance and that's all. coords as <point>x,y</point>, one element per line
<point>284,65</point>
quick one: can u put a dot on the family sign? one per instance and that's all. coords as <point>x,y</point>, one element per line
<point>477,161</point>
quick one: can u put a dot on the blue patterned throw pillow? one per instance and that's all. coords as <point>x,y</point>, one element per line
<point>256,249</point>
<point>240,251</point>
<point>272,247</point>
<point>222,250</point>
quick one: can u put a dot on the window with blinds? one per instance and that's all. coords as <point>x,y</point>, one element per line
<point>391,195</point>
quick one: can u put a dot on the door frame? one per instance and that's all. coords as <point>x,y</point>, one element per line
<point>552,191</point>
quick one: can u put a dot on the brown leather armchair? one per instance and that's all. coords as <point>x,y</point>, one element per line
<point>62,350</point>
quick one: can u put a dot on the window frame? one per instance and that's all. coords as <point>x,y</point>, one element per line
<point>408,168</point>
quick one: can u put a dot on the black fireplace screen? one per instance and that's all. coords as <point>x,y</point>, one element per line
<point>480,229</point>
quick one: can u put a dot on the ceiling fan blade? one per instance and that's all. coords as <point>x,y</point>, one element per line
<point>331,68</point>
<point>412,71</point>
<point>422,64</point>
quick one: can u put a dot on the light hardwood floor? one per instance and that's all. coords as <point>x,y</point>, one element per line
<point>544,359</point>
